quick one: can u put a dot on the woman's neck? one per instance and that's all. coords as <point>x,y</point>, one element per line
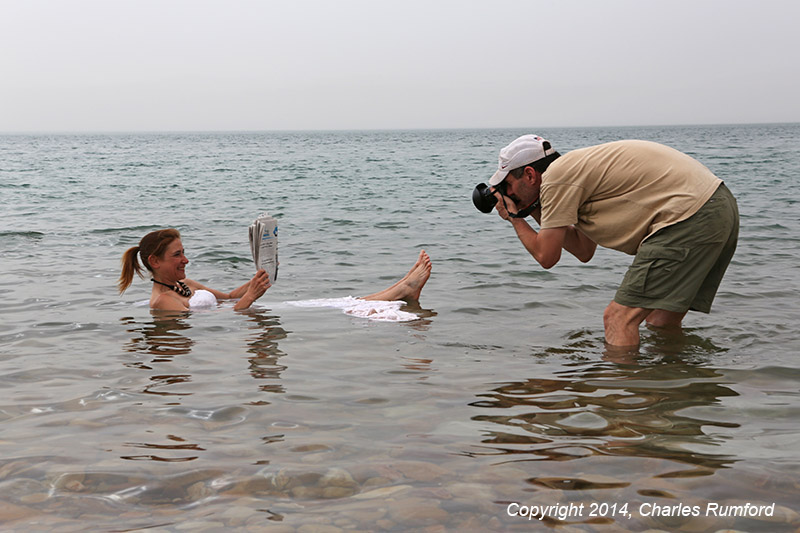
<point>179,287</point>
<point>164,279</point>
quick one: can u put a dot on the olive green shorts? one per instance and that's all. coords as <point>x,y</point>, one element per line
<point>680,267</point>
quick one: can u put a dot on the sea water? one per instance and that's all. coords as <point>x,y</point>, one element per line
<point>500,396</point>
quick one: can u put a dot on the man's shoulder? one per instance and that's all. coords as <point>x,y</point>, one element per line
<point>613,146</point>
<point>609,155</point>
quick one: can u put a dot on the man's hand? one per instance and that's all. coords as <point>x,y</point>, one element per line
<point>502,205</point>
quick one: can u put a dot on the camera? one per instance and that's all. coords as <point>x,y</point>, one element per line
<point>483,197</point>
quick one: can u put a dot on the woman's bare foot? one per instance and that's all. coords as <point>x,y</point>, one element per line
<point>410,287</point>
<point>417,277</point>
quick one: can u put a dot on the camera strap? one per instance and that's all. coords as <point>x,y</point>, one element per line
<point>524,212</point>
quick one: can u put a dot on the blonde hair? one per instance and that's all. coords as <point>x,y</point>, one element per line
<point>154,243</point>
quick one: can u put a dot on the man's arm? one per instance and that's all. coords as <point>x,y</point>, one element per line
<point>575,241</point>
<point>578,244</point>
<point>545,246</point>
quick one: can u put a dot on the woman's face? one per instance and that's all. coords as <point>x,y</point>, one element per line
<point>172,266</point>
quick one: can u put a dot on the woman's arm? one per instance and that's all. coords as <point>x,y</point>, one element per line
<point>219,295</point>
<point>254,289</point>
<point>247,293</point>
<point>239,291</point>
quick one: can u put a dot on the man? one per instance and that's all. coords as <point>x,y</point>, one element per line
<point>645,199</point>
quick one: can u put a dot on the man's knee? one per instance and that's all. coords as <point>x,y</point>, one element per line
<point>620,316</point>
<point>622,324</point>
<point>612,314</point>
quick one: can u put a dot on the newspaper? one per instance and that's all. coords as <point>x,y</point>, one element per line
<point>264,244</point>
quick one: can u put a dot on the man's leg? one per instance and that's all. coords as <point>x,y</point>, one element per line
<point>660,318</point>
<point>622,324</point>
<point>679,267</point>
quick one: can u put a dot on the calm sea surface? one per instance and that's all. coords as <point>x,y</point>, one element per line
<point>501,396</point>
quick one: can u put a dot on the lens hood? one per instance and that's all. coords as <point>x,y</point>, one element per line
<point>483,198</point>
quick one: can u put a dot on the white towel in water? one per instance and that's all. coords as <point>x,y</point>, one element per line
<point>381,310</point>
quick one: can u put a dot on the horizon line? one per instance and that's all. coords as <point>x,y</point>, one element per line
<point>333,130</point>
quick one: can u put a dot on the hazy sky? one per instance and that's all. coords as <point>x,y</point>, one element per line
<point>119,65</point>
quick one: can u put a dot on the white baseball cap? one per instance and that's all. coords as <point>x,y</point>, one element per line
<point>522,151</point>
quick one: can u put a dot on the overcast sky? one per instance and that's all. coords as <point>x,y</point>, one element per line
<point>155,65</point>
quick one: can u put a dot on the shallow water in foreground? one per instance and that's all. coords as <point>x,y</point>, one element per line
<point>500,397</point>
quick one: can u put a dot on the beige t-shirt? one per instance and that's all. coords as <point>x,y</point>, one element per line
<point>622,192</point>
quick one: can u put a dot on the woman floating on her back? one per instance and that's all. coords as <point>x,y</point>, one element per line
<point>162,254</point>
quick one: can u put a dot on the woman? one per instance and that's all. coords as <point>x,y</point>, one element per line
<point>163,256</point>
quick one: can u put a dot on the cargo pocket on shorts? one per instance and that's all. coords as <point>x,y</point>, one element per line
<point>653,273</point>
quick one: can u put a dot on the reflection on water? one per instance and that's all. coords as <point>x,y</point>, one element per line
<point>607,409</point>
<point>164,348</point>
<point>264,333</point>
<point>425,315</point>
<point>638,405</point>
<point>160,338</point>
<point>161,341</point>
<point>166,337</point>
<point>219,431</point>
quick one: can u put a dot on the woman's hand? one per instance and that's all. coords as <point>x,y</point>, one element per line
<point>255,289</point>
<point>259,284</point>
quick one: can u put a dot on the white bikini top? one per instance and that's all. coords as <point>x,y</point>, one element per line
<point>202,299</point>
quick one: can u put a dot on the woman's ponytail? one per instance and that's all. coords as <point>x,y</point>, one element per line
<point>130,264</point>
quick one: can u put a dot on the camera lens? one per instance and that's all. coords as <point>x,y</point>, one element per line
<point>483,198</point>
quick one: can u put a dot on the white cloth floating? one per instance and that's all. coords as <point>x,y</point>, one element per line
<point>380,310</point>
